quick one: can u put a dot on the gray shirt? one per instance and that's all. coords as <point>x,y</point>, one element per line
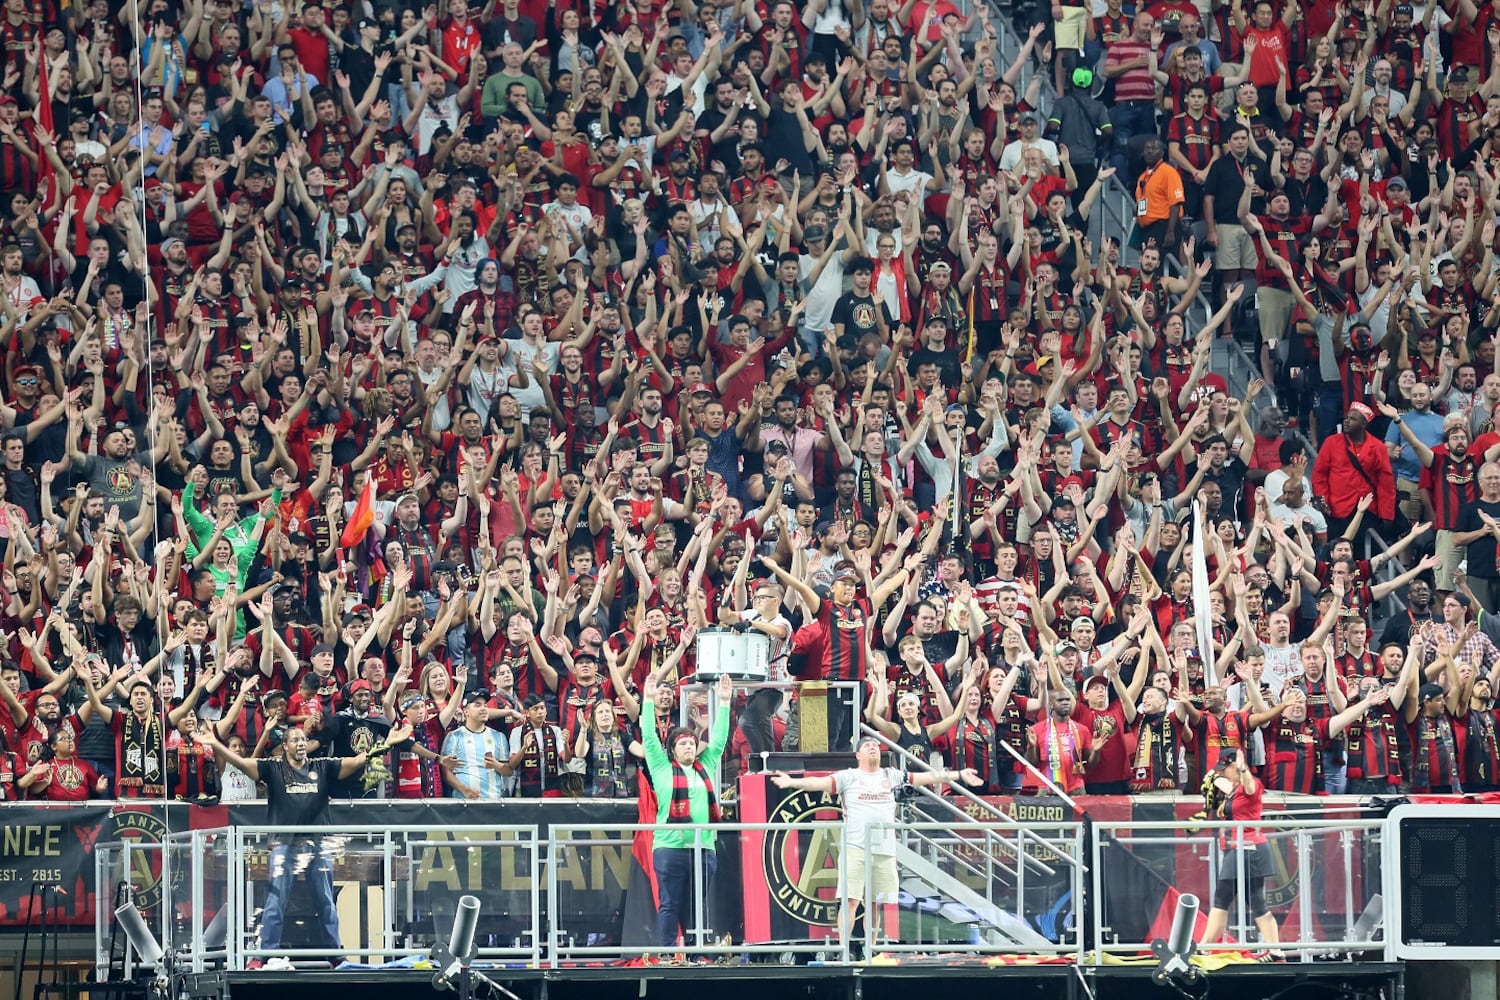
<point>111,477</point>
<point>1078,118</point>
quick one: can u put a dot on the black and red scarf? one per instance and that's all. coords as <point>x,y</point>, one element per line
<point>679,810</point>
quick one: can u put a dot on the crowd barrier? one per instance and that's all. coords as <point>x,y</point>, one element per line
<point>575,887</point>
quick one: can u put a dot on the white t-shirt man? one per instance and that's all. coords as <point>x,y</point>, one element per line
<point>521,353</point>
<point>869,798</point>
<point>1282,665</point>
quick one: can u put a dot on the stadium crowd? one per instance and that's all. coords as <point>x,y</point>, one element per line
<point>455,366</point>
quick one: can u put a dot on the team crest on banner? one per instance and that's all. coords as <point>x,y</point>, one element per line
<point>144,830</point>
<point>802,868</point>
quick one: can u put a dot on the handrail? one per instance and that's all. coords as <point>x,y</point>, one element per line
<point>990,808</point>
<point>1300,832</point>
<point>986,909</point>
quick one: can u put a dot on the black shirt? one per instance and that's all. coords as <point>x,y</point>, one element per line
<point>857,313</point>
<point>1226,182</point>
<point>350,736</point>
<point>298,796</point>
<point>1482,551</point>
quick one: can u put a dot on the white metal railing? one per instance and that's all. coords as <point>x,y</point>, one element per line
<point>969,897</point>
<point>1294,842</point>
<point>977,888</point>
<point>978,868</point>
<point>215,882</point>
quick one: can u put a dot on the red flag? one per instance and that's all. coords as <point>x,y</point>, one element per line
<point>44,97</point>
<point>643,841</point>
<point>43,123</point>
<point>1161,924</point>
<point>362,518</point>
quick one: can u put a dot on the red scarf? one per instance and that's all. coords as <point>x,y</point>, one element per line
<point>898,271</point>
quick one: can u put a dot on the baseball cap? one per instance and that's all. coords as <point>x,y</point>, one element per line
<point>1226,759</point>
<point>360,685</point>
<point>1098,680</point>
<point>702,387</point>
<point>1363,410</point>
<point>322,648</point>
<point>814,233</point>
<point>1396,182</point>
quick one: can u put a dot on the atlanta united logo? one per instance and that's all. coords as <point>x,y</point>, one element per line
<point>802,868</point>
<point>144,831</point>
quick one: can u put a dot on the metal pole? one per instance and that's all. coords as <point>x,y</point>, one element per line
<point>1347,843</point>
<point>1304,876</point>
<point>552,936</point>
<point>388,895</point>
<point>196,849</point>
<point>536,896</point>
<point>873,910</point>
<point>1097,909</point>
<point>1241,887</point>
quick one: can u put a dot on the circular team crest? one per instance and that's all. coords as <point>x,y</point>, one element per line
<point>67,776</point>
<point>118,481</point>
<point>802,869</point>
<point>145,830</point>
<point>863,315</point>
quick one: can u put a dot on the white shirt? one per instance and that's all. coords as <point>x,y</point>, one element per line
<point>913,180</point>
<point>521,353</point>
<point>1010,156</point>
<point>578,216</point>
<point>823,295</point>
<point>1282,665</point>
<point>869,797</point>
<point>709,217</point>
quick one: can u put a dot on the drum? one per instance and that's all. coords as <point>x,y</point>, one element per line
<point>743,656</point>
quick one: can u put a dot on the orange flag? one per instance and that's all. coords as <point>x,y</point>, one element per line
<point>362,518</point>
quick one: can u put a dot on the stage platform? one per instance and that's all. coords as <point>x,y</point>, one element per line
<point>909,980</point>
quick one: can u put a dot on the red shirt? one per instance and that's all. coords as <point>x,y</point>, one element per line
<point>1112,761</point>
<point>1336,477</point>
<point>1271,44</point>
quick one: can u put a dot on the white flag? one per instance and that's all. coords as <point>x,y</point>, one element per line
<point>1202,613</point>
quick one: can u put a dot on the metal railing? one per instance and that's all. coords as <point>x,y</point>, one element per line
<point>961,890</point>
<point>214,886</point>
<point>977,869</point>
<point>1310,858</point>
<point>975,888</point>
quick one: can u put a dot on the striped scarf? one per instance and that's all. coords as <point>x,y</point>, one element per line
<point>679,811</point>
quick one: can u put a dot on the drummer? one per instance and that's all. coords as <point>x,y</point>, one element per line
<point>764,617</point>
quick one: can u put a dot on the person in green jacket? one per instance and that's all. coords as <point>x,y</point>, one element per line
<point>681,779</point>
<point>241,537</point>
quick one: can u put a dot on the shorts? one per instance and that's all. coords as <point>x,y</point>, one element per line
<point>883,876</point>
<point>1236,250</point>
<point>1068,30</point>
<point>1274,307</point>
